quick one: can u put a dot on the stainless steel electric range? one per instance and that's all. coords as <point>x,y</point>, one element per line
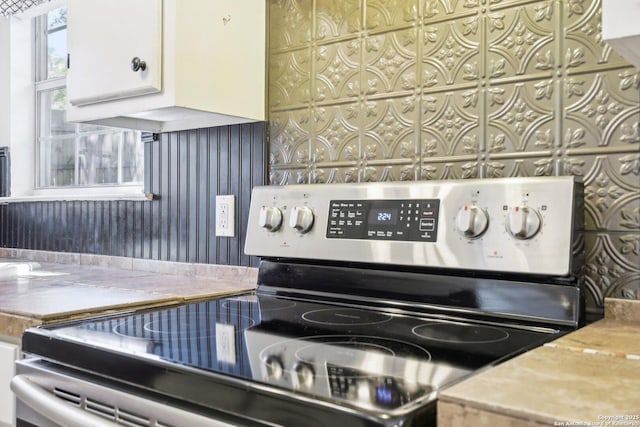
<point>371,299</point>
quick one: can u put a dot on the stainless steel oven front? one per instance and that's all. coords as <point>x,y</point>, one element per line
<point>51,396</point>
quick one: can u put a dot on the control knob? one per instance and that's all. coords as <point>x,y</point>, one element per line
<point>270,218</point>
<point>472,221</point>
<point>275,367</point>
<point>523,222</point>
<point>301,219</point>
<point>304,375</point>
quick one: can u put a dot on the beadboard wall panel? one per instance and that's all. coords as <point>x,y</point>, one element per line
<point>184,170</point>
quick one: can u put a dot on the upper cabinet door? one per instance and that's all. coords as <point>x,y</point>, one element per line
<point>115,49</point>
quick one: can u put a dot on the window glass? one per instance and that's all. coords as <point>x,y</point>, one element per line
<point>56,41</point>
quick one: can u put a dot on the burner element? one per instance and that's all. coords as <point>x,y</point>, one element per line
<point>265,303</point>
<point>460,333</point>
<point>183,326</point>
<point>273,304</point>
<point>345,316</point>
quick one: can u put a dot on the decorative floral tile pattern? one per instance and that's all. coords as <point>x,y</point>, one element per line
<point>373,90</point>
<point>385,14</point>
<point>290,85</point>
<point>337,19</point>
<point>390,63</point>
<point>293,20</point>
<point>337,73</point>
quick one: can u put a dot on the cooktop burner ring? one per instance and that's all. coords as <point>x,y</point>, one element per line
<point>471,333</point>
<point>265,304</point>
<point>148,330</point>
<point>345,317</point>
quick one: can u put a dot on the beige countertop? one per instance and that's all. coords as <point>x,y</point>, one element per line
<point>579,379</point>
<point>38,292</point>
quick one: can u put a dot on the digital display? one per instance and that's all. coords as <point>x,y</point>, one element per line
<point>405,220</point>
<point>383,216</point>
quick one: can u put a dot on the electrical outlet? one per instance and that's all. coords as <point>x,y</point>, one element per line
<point>225,216</point>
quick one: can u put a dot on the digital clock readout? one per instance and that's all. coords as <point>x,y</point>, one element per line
<point>383,216</point>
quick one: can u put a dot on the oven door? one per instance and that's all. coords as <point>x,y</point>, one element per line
<point>50,395</point>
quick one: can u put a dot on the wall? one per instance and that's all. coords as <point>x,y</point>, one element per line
<point>365,90</point>
<point>185,170</point>
<point>5,82</point>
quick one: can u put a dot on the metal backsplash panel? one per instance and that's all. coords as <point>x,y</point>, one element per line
<point>363,90</point>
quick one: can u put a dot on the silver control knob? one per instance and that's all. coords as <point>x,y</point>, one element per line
<point>275,367</point>
<point>523,222</point>
<point>270,218</point>
<point>304,375</point>
<point>472,221</point>
<point>301,219</point>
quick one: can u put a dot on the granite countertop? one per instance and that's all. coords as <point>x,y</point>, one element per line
<point>39,292</point>
<point>588,377</point>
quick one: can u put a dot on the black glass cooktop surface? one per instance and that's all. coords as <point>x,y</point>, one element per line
<point>371,360</point>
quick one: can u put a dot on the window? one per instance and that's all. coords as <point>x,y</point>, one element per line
<point>71,154</point>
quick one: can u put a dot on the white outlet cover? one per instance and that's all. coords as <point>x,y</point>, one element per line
<point>225,216</point>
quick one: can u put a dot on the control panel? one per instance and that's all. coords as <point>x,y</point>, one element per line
<point>406,220</point>
<point>524,225</point>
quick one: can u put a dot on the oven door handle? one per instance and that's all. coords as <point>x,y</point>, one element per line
<point>53,408</point>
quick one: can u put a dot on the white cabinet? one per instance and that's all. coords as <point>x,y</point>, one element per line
<point>8,356</point>
<point>100,65</point>
<point>165,65</point>
<point>620,28</point>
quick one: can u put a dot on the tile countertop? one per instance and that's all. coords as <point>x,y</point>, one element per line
<point>38,292</point>
<point>588,377</point>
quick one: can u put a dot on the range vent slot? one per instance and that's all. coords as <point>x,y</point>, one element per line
<point>113,413</point>
<point>74,399</point>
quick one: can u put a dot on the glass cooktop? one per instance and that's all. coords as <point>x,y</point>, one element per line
<point>371,360</point>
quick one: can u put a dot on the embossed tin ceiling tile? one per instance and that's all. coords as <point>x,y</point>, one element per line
<point>336,175</point>
<point>450,55</point>
<point>290,23</point>
<point>349,151</point>
<point>612,192</point>
<point>369,173</point>
<point>432,145</point>
<point>335,127</point>
<point>409,171</point>
<point>381,15</point>
<point>454,120</point>
<point>390,62</point>
<point>289,79</point>
<point>288,176</point>
<point>510,166</point>
<point>438,10</point>
<point>388,125</point>
<point>612,266</point>
<point>524,113</point>
<point>337,18</point>
<point>337,72</point>
<point>288,132</point>
<point>602,110</point>
<point>522,40</point>
<point>584,48</point>
<point>437,169</point>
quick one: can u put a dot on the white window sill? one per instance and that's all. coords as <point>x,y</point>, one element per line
<point>80,195</point>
